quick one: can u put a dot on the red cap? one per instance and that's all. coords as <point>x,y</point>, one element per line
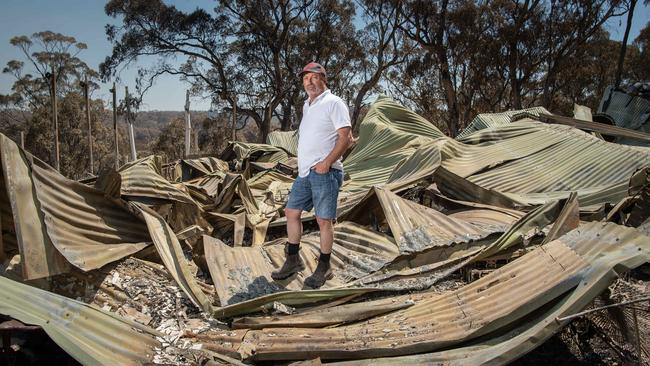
<point>313,67</point>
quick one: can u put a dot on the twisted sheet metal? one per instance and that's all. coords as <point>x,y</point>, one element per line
<point>491,120</point>
<point>628,111</point>
<point>287,140</point>
<point>580,262</point>
<point>38,255</point>
<point>90,335</point>
<point>562,160</point>
<point>240,274</point>
<point>206,165</point>
<point>89,229</point>
<point>244,273</point>
<point>170,252</point>
<point>142,178</point>
<point>416,227</point>
<point>388,136</point>
<point>259,152</point>
<point>78,222</point>
<point>610,250</point>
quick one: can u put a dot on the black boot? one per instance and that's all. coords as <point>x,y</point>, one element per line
<point>322,273</point>
<point>292,264</point>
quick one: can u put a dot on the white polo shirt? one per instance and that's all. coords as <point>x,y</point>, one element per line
<point>317,133</point>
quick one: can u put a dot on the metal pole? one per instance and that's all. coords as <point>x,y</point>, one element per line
<point>195,133</point>
<point>90,128</point>
<point>234,118</point>
<point>188,125</point>
<point>55,120</point>
<point>127,101</point>
<point>117,149</point>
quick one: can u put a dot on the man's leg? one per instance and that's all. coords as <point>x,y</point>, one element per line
<point>323,271</point>
<point>326,235</point>
<point>294,225</point>
<point>325,194</point>
<point>299,199</point>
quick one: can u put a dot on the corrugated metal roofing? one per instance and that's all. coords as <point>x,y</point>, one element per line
<point>38,255</point>
<point>489,304</point>
<point>261,152</point>
<point>170,252</point>
<point>244,273</point>
<point>142,178</point>
<point>519,164</point>
<point>601,244</point>
<point>491,120</point>
<point>86,227</point>
<point>55,214</point>
<point>90,335</point>
<point>627,110</point>
<point>287,140</point>
<point>568,160</point>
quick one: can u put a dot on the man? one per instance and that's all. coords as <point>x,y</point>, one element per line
<point>324,135</point>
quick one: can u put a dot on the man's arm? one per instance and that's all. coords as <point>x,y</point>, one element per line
<point>343,142</point>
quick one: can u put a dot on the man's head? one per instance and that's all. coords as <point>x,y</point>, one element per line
<point>314,79</point>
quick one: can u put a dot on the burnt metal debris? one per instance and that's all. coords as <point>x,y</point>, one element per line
<point>472,250</point>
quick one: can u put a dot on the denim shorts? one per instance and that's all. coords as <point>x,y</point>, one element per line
<point>319,191</point>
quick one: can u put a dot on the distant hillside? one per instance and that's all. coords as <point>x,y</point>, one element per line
<point>148,124</point>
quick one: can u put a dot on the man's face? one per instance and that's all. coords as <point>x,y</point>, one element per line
<point>313,83</point>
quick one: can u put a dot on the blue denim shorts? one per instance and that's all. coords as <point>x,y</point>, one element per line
<point>319,191</point>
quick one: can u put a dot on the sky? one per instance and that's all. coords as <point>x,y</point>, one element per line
<point>85,20</point>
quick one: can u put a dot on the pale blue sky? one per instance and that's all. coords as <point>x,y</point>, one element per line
<point>85,20</point>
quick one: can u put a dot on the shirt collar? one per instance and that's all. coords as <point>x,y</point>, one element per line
<point>327,91</point>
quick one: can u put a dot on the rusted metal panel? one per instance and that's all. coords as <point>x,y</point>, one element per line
<point>38,255</point>
<point>90,335</point>
<point>172,256</point>
<point>325,317</point>
<point>493,302</point>
<point>142,178</point>
<point>494,120</point>
<point>89,229</point>
<point>610,250</point>
<point>244,273</point>
<point>532,162</point>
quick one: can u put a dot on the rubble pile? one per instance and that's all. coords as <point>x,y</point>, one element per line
<point>465,251</point>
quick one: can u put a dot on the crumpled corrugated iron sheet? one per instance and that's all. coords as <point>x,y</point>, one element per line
<point>287,140</point>
<point>581,263</point>
<point>241,274</point>
<point>170,252</point>
<point>628,111</point>
<point>562,160</point>
<point>22,220</point>
<point>495,120</point>
<point>91,336</point>
<point>526,161</point>
<point>437,263</point>
<point>389,243</point>
<point>600,242</point>
<point>142,178</point>
<point>59,221</point>
<point>191,168</point>
<point>258,152</point>
<point>416,227</point>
